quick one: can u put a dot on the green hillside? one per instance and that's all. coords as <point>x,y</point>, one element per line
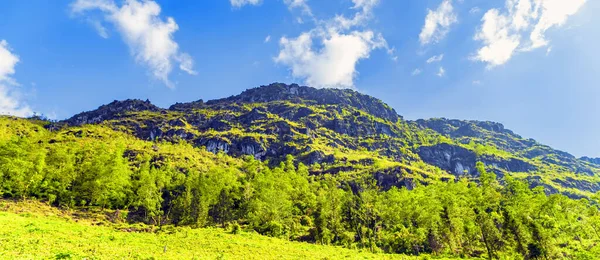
<point>313,166</point>
<point>41,233</point>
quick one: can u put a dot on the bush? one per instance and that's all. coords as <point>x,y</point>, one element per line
<point>235,228</point>
<point>272,228</point>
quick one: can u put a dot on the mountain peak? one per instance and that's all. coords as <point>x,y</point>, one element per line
<point>595,161</point>
<point>445,126</point>
<point>111,110</point>
<point>323,96</point>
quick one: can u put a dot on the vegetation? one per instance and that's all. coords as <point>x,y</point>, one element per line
<point>34,231</point>
<point>165,184</point>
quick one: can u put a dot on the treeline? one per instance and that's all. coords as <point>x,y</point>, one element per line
<point>171,184</point>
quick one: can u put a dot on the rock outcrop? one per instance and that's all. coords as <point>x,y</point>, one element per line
<point>112,111</point>
<point>300,94</point>
<point>461,161</point>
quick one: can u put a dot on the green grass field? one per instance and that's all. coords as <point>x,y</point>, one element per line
<point>31,230</point>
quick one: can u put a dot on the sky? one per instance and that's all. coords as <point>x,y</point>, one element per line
<point>532,65</point>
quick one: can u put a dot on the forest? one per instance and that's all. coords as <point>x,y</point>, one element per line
<point>167,183</point>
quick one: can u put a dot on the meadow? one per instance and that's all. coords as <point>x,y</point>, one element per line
<point>33,230</point>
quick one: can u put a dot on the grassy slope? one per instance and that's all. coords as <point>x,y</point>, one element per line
<point>31,230</point>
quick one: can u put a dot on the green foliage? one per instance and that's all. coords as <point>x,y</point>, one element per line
<point>482,149</point>
<point>175,183</point>
<point>37,236</point>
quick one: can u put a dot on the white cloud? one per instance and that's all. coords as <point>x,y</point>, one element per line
<point>474,10</point>
<point>240,3</point>
<point>500,43</point>
<point>102,31</point>
<point>301,4</point>
<point>327,55</point>
<point>436,58</point>
<point>334,65</point>
<point>292,4</point>
<point>553,13</point>
<point>366,5</point>
<point>149,37</point>
<point>268,38</point>
<point>186,63</point>
<point>441,72</point>
<point>8,60</point>
<point>364,12</point>
<point>10,98</point>
<point>416,72</point>
<point>437,23</point>
<point>392,53</point>
<point>504,34</point>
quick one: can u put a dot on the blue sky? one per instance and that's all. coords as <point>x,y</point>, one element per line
<point>532,65</point>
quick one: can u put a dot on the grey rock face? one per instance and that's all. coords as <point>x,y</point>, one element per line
<point>111,111</point>
<point>595,161</point>
<point>579,184</point>
<point>460,161</point>
<point>507,140</point>
<point>318,157</point>
<point>216,145</point>
<point>454,159</point>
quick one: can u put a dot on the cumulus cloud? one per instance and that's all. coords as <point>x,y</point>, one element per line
<point>240,3</point>
<point>327,55</point>
<point>520,27</point>
<point>437,23</point>
<point>435,58</point>
<point>268,38</point>
<point>500,42</point>
<point>334,65</point>
<point>10,98</point>
<point>150,38</point>
<point>441,72</point>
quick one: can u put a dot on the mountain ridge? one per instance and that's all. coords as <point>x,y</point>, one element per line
<point>288,91</point>
<point>339,130</point>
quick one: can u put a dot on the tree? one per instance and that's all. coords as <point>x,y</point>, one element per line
<point>22,163</point>
<point>270,207</point>
<point>328,214</point>
<point>105,176</point>
<point>487,199</point>
<point>59,175</point>
<point>149,183</point>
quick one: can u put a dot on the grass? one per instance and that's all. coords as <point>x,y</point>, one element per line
<point>32,230</point>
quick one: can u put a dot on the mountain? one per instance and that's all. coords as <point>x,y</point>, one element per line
<point>313,165</point>
<point>334,131</point>
<point>595,161</point>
